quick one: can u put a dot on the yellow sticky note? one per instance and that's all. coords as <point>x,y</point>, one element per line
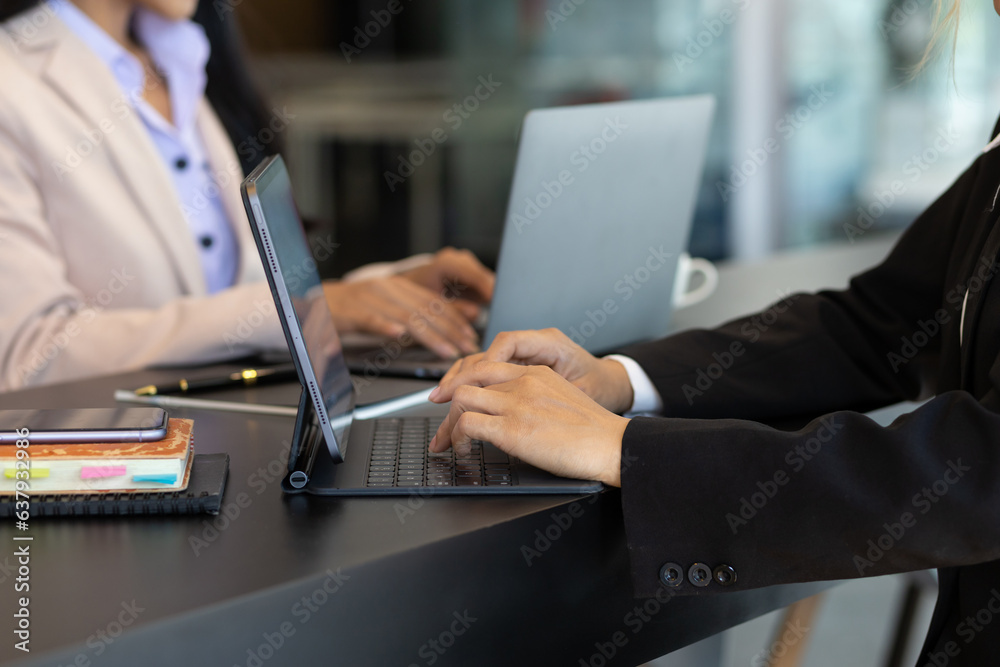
<point>33,473</point>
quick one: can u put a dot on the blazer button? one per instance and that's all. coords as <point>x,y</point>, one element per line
<point>700,575</point>
<point>672,574</point>
<point>725,575</point>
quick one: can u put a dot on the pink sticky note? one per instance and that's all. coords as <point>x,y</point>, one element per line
<point>102,471</point>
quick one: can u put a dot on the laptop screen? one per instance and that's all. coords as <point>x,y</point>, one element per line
<point>305,315</point>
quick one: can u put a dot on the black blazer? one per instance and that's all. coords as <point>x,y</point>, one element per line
<point>714,502</point>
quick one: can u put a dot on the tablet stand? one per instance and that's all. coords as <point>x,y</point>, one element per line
<point>306,442</point>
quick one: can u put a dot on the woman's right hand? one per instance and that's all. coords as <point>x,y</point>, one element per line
<point>395,306</point>
<point>603,380</point>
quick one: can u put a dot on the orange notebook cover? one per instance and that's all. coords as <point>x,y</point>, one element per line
<point>161,465</point>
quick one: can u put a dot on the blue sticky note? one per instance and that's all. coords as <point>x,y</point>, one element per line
<point>155,479</point>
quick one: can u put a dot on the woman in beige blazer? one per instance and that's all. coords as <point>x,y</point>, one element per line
<point>99,268</point>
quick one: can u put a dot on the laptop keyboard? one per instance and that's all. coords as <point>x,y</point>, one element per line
<point>399,458</point>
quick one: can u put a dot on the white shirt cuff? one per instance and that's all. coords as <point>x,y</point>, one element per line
<point>645,397</point>
<point>386,269</point>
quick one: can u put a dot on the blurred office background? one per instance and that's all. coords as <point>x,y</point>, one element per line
<point>819,136</point>
<point>826,80</point>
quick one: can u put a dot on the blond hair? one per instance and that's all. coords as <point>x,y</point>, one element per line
<point>945,22</point>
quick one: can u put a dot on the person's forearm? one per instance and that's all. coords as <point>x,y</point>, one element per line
<point>70,342</point>
<point>872,500</point>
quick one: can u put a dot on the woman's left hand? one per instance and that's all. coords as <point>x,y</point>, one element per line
<point>531,412</point>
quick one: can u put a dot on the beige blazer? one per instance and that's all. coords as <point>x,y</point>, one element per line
<point>98,268</point>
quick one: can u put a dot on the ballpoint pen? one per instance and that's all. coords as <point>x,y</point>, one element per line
<point>245,378</point>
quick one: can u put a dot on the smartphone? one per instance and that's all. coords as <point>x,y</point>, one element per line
<point>83,425</point>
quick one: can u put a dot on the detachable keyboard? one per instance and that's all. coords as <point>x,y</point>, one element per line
<point>399,458</point>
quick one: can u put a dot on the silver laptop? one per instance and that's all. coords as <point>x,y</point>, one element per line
<point>600,211</point>
<point>332,452</point>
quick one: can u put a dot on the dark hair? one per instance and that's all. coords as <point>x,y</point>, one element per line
<point>230,89</point>
<point>9,8</point>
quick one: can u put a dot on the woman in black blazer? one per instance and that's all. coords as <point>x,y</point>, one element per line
<point>715,501</point>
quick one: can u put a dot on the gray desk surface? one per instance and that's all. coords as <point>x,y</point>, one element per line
<point>221,591</point>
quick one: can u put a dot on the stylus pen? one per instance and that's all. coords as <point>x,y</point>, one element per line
<point>182,402</point>
<point>245,378</point>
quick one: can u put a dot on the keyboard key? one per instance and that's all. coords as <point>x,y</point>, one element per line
<point>399,457</point>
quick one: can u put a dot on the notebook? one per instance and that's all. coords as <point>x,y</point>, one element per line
<point>162,465</point>
<point>202,495</point>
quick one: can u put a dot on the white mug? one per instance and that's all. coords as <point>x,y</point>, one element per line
<point>687,268</point>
